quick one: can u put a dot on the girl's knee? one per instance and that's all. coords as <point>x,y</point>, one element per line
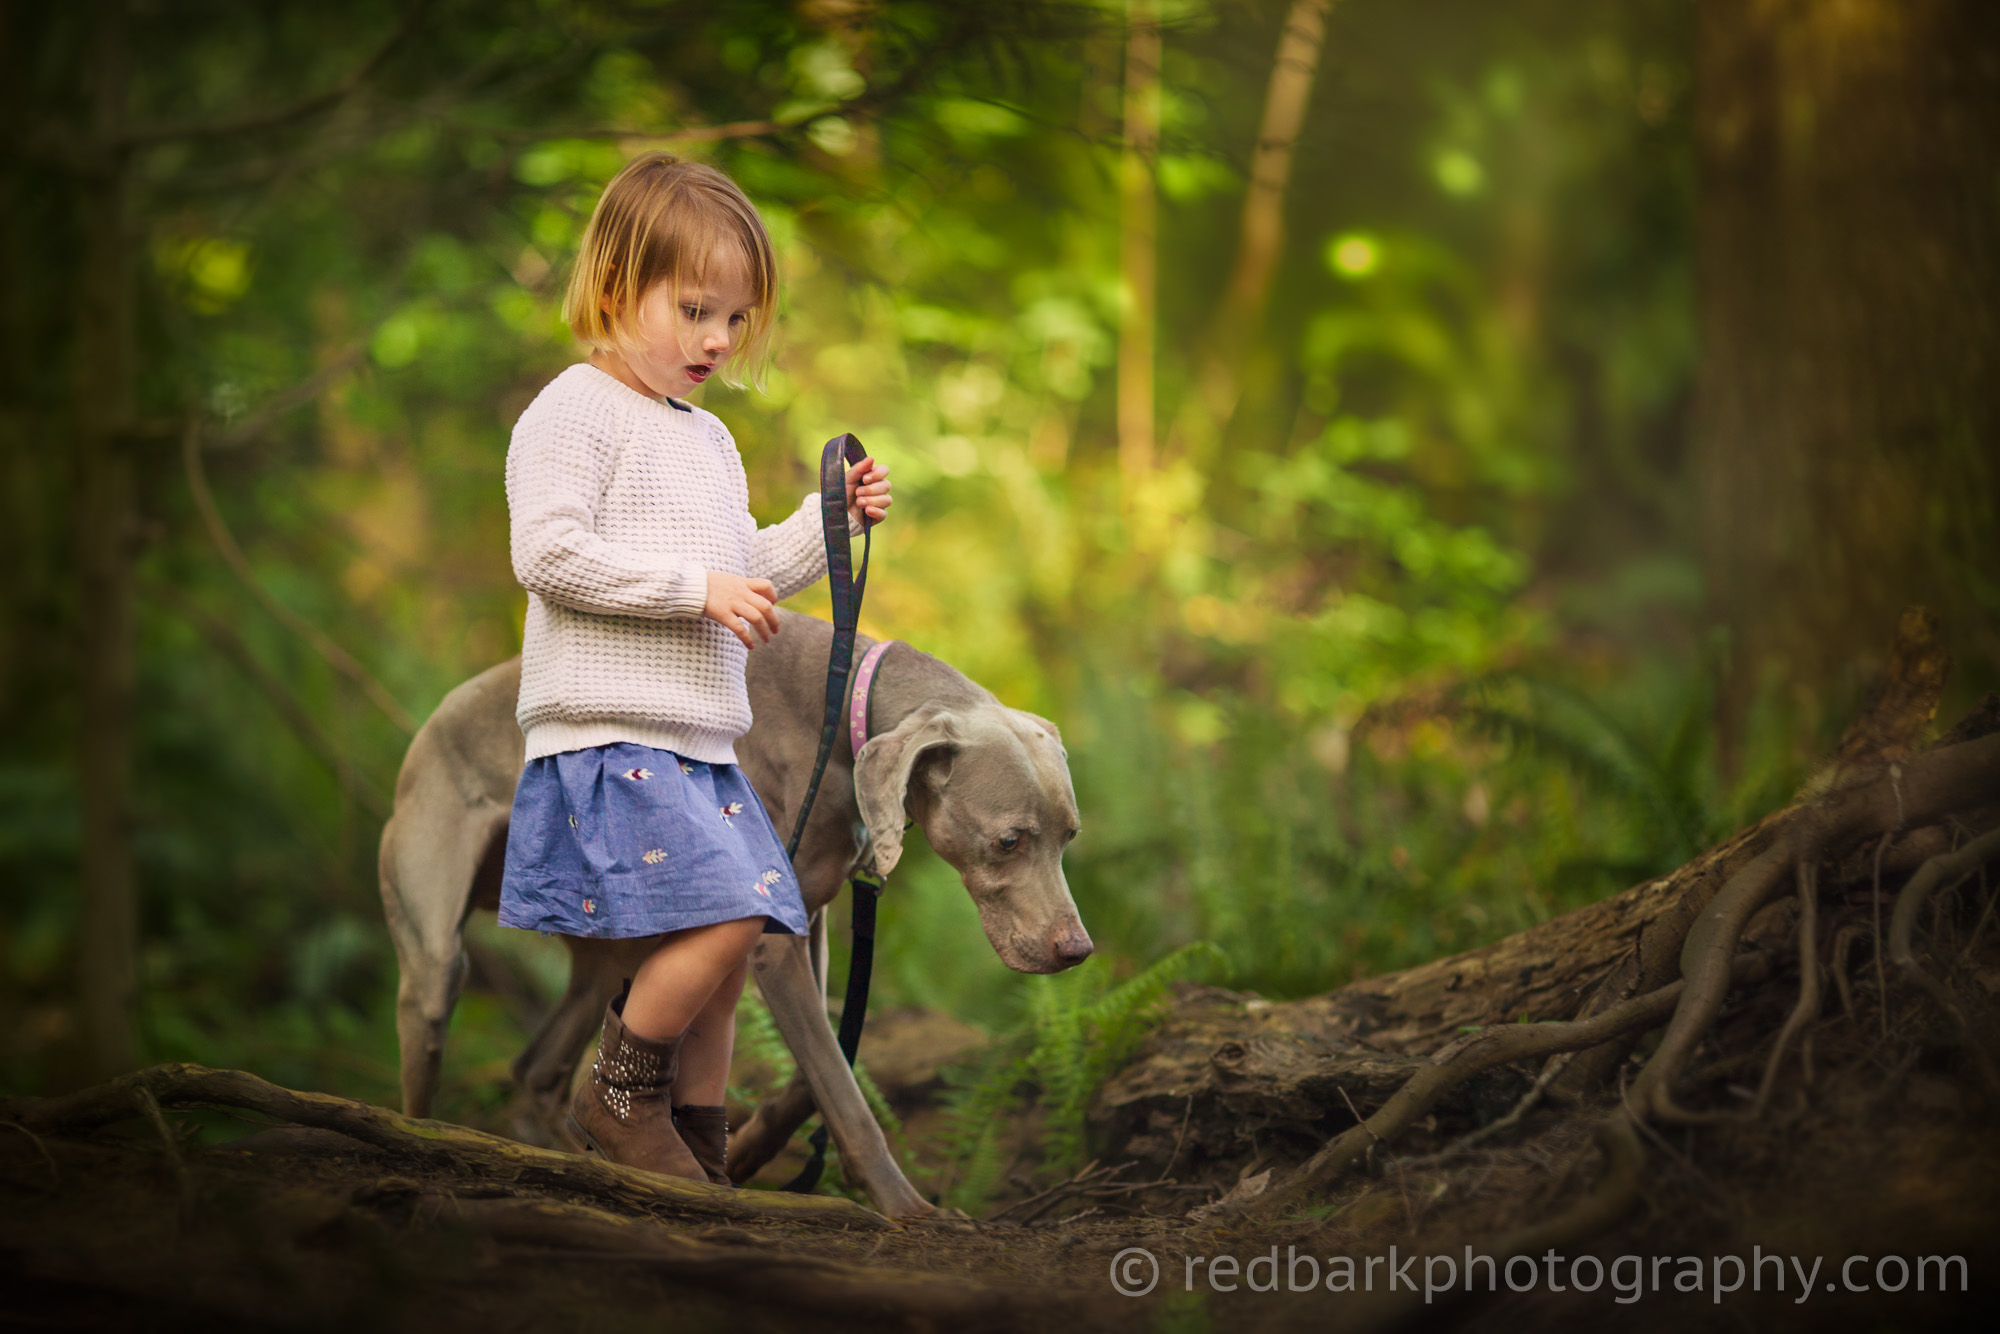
<point>734,980</point>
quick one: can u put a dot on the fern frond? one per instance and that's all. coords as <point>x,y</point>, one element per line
<point>1100,1037</point>
<point>757,1034</point>
<point>1567,727</point>
<point>976,1105</point>
<point>1075,1033</point>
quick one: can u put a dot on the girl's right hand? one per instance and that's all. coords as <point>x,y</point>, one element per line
<point>742,605</point>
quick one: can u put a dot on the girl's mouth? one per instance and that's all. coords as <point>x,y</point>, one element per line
<point>699,373</point>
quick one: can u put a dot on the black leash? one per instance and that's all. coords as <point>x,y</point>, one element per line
<point>854,1009</point>
<point>848,587</point>
<point>841,452</point>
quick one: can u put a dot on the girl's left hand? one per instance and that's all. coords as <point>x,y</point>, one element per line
<point>868,490</point>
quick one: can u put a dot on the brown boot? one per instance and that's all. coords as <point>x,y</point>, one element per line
<point>622,1112</point>
<point>705,1130</point>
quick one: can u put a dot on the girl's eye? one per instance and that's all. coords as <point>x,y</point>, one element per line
<point>739,318</point>
<point>1008,842</point>
<point>692,312</point>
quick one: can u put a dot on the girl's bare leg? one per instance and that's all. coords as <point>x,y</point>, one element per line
<point>711,1038</point>
<point>676,981</point>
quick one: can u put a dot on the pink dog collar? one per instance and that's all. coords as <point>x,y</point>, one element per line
<point>857,708</point>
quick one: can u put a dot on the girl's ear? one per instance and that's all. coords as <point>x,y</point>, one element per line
<point>882,778</point>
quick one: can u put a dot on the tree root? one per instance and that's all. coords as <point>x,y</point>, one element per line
<point>432,1144</point>
<point>1460,1061</point>
<point>1843,940</point>
<point>1923,790</point>
<point>1808,1005</point>
<point>1875,925</point>
<point>1550,1073</point>
<point>1948,867</point>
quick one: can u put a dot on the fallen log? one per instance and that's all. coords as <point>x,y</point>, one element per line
<point>117,1215</point>
<point>471,1155</point>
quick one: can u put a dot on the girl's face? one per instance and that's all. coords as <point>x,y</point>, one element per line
<point>681,345</point>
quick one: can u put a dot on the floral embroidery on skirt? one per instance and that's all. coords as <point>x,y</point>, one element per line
<point>624,840</point>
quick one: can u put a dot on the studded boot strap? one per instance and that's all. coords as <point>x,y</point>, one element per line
<point>635,1068</point>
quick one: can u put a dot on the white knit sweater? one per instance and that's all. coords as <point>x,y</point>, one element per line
<point>621,504</point>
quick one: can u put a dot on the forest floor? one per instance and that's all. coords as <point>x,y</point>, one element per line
<point>134,1219</point>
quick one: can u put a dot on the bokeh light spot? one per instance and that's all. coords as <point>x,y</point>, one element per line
<point>1354,255</point>
<point>1458,172</point>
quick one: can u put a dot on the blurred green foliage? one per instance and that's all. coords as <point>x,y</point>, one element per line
<point>1406,662</point>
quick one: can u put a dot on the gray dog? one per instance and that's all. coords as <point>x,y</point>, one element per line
<point>989,785</point>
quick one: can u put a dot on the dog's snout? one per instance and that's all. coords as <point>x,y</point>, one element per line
<point>1071,948</point>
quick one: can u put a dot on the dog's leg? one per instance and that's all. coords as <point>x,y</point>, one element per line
<point>822,953</point>
<point>425,996</point>
<point>784,975</point>
<point>431,852</point>
<point>545,1068</point>
<point>770,1128</point>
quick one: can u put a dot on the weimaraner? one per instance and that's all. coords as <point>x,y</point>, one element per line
<point>989,785</point>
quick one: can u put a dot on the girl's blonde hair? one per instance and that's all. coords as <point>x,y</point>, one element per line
<point>662,220</point>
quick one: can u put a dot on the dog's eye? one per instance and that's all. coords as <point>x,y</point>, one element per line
<point>1008,842</point>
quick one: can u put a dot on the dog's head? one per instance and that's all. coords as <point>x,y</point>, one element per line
<point>990,786</point>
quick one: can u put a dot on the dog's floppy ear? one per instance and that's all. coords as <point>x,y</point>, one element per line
<point>882,778</point>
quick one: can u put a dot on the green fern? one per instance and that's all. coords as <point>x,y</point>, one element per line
<point>977,1101</point>
<point>757,1035</point>
<point>1075,1036</point>
<point>1661,785</point>
<point>1099,1038</point>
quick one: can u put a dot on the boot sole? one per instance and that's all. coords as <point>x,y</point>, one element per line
<point>581,1140</point>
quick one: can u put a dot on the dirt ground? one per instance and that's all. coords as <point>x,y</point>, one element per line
<point>1890,1154</point>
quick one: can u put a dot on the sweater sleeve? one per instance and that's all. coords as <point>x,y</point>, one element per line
<point>791,553</point>
<point>557,466</point>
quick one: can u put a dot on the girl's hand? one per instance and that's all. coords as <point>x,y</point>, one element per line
<point>741,606</point>
<point>868,490</point>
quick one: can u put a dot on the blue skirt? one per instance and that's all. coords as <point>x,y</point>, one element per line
<point>624,840</point>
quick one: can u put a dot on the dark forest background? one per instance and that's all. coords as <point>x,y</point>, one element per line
<point>1435,478</point>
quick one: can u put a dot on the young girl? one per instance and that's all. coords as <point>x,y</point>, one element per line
<point>648,583</point>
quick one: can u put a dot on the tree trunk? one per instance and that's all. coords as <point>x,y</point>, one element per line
<point>1849,304</point>
<point>1137,251</point>
<point>105,531</point>
<point>1211,402</point>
